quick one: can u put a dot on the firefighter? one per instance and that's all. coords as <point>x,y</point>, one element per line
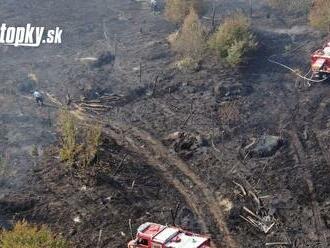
<point>326,51</point>
<point>68,100</point>
<point>154,5</point>
<point>38,97</point>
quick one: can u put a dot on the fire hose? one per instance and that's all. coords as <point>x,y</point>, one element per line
<point>295,71</point>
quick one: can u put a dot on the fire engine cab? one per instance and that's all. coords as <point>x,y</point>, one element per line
<point>321,62</point>
<point>151,235</point>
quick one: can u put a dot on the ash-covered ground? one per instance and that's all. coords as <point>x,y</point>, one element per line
<point>168,140</point>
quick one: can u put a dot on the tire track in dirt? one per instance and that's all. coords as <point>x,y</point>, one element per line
<point>156,148</point>
<point>189,195</point>
<point>318,119</point>
<point>302,158</point>
<point>301,150</point>
<point>325,153</point>
<point>202,199</point>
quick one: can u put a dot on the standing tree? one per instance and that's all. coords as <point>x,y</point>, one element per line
<point>190,43</point>
<point>177,10</point>
<point>320,15</point>
<point>233,40</point>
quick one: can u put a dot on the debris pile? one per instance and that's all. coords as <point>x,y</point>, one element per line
<point>262,216</point>
<point>184,143</point>
<point>106,58</point>
<point>101,104</point>
<point>225,91</point>
<point>265,146</point>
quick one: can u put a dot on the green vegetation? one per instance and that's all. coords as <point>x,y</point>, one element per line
<point>319,10</point>
<point>233,40</point>
<point>187,64</point>
<point>27,236</point>
<point>320,15</point>
<point>69,132</point>
<point>177,10</point>
<point>190,42</point>
<point>91,144</point>
<point>79,145</point>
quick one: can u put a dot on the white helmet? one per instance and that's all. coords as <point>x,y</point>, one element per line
<point>326,50</point>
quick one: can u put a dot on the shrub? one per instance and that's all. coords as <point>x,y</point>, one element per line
<point>68,130</point>
<point>229,113</point>
<point>235,53</point>
<point>91,144</point>
<point>320,15</point>
<point>177,10</point>
<point>190,42</point>
<point>79,145</point>
<point>27,236</point>
<point>233,40</point>
<point>187,64</point>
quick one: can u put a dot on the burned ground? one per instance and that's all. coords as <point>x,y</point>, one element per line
<point>143,174</point>
<point>103,199</point>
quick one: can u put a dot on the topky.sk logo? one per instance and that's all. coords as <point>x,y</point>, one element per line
<point>29,36</point>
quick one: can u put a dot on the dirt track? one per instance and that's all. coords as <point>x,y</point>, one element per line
<point>177,173</point>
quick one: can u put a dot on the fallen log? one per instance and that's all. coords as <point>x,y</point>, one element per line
<point>277,243</point>
<point>251,213</point>
<point>241,187</point>
<point>259,222</point>
<point>99,106</point>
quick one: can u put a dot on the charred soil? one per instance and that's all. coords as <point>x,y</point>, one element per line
<point>168,136</point>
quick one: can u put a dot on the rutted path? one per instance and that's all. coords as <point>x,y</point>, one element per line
<point>197,194</point>
<point>320,228</point>
<point>302,150</point>
<point>155,148</point>
<point>318,136</point>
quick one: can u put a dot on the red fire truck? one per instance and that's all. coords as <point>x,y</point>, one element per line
<point>151,235</point>
<point>321,62</point>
